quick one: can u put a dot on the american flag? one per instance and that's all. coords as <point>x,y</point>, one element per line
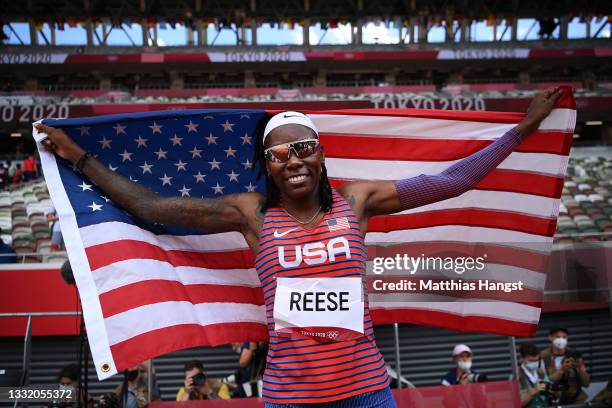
<point>338,224</point>
<point>147,290</point>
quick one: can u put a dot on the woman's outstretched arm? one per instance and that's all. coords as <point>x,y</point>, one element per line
<point>386,197</point>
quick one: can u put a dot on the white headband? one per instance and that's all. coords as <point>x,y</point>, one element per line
<point>286,118</point>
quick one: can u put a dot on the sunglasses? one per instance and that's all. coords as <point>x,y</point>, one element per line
<point>301,149</point>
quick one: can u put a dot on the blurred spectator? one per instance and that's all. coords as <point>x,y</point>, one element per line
<point>462,372</point>
<point>533,380</point>
<point>198,386</point>
<point>565,367</point>
<point>68,379</point>
<point>252,363</point>
<point>57,241</point>
<point>17,175</point>
<point>6,251</point>
<point>29,168</point>
<point>137,390</point>
<point>4,175</point>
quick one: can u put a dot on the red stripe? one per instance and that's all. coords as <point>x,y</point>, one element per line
<point>495,253</point>
<point>372,147</point>
<point>104,254</point>
<point>508,180</point>
<point>155,343</point>
<point>454,322</point>
<point>155,291</point>
<point>473,217</point>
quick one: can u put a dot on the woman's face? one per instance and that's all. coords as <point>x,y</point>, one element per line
<point>297,179</point>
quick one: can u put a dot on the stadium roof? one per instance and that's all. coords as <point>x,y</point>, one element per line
<point>234,10</point>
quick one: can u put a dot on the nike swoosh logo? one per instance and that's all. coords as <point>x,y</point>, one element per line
<point>291,116</point>
<point>282,234</point>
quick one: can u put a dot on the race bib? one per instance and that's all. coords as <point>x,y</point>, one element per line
<point>324,309</point>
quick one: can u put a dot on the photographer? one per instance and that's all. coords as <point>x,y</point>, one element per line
<point>462,373</point>
<point>565,367</point>
<point>137,391</point>
<point>198,386</point>
<point>534,383</point>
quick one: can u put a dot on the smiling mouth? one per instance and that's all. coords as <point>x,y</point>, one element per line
<point>297,179</point>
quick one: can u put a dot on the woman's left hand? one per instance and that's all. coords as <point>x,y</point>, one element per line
<point>541,106</point>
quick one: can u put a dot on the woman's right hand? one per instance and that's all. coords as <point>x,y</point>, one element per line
<point>60,143</point>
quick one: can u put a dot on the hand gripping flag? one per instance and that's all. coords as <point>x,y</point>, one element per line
<point>147,290</point>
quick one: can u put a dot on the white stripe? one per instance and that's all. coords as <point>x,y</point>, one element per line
<point>411,127</point>
<point>544,163</point>
<point>92,311</point>
<point>462,233</point>
<point>116,230</point>
<point>492,271</point>
<point>495,200</point>
<point>474,307</point>
<point>143,319</point>
<point>130,271</point>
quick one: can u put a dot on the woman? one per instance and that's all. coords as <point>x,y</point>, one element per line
<point>301,229</point>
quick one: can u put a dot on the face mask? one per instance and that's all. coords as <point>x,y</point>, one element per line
<point>68,388</point>
<point>131,375</point>
<point>465,365</point>
<point>560,342</point>
<point>532,365</point>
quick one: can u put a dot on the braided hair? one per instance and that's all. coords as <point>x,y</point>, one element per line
<point>272,191</point>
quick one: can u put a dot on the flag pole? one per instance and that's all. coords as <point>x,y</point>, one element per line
<point>512,345</point>
<point>398,366</point>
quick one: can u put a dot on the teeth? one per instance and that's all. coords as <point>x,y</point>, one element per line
<point>297,179</point>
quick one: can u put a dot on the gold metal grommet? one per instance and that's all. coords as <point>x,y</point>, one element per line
<point>105,368</point>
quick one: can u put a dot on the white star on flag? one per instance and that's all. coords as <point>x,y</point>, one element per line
<point>228,127</point>
<point>208,117</point>
<point>84,130</point>
<point>185,191</point>
<point>245,116</point>
<point>85,186</point>
<point>161,153</point>
<point>192,127</point>
<point>211,139</point>
<point>180,165</point>
<point>214,164</point>
<point>195,152</point>
<point>199,177</point>
<point>156,128</point>
<point>246,139</point>
<point>105,143</point>
<point>233,176</point>
<point>176,140</point>
<point>146,168</point>
<point>166,180</point>
<point>230,152</point>
<point>95,207</point>
<point>120,129</point>
<point>218,189</point>
<point>126,155</point>
<point>141,142</point>
<point>247,164</point>
<point>133,179</point>
<point>105,198</point>
<point>250,188</point>
<point>111,168</point>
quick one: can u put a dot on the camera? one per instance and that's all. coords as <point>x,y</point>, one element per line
<point>199,380</point>
<point>476,378</point>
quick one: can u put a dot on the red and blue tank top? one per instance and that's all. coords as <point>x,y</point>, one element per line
<point>305,370</point>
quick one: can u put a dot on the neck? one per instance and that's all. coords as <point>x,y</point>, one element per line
<point>304,208</point>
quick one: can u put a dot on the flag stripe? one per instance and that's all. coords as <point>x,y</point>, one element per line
<point>548,164</point>
<point>372,147</point>
<point>156,291</point>
<point>103,254</point>
<point>131,271</point>
<point>436,318</point>
<point>145,318</point>
<point>505,180</point>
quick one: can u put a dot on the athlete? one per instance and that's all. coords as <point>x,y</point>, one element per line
<point>322,349</point>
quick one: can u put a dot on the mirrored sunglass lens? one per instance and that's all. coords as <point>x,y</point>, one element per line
<point>304,149</point>
<point>280,152</point>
